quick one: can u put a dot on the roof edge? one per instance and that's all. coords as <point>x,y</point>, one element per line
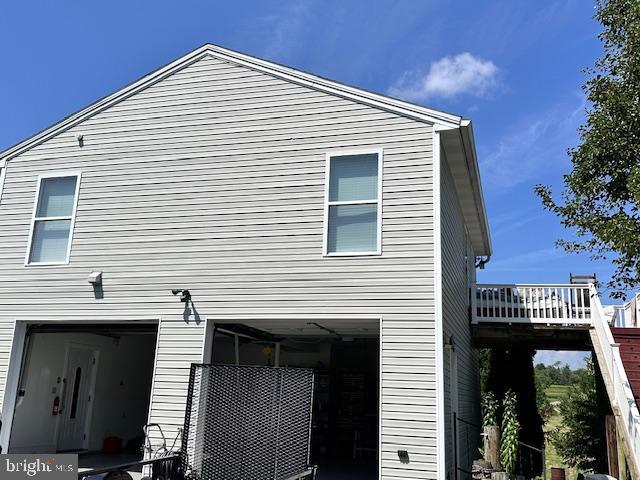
<point>400,107</point>
<point>466,131</point>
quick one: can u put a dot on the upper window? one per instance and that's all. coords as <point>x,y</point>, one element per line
<point>53,219</point>
<point>353,209</point>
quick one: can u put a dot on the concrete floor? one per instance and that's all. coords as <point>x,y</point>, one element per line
<point>346,471</point>
<point>94,460</point>
<point>327,469</point>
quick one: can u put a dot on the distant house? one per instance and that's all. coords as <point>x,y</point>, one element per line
<point>340,225</point>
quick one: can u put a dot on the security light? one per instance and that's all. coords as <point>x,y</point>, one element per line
<point>185,295</point>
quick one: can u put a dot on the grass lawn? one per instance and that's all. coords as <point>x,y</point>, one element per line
<point>555,393</point>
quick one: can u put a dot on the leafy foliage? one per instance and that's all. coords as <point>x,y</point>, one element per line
<point>489,409</point>
<point>601,196</point>
<point>579,439</point>
<point>485,369</point>
<point>510,432</point>
<point>557,374</point>
<point>545,409</point>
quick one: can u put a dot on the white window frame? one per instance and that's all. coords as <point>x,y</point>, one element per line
<point>339,153</point>
<point>71,217</point>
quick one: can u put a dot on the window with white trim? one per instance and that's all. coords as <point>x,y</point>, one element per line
<point>53,219</point>
<point>353,204</point>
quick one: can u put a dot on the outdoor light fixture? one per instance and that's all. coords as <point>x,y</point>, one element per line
<point>482,261</point>
<point>185,295</point>
<point>95,278</point>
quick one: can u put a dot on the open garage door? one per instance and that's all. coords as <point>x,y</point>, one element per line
<point>345,357</point>
<point>84,388</point>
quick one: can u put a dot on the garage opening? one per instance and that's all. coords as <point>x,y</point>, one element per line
<point>344,355</point>
<point>85,389</point>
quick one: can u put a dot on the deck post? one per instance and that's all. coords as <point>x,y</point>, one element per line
<point>612,445</point>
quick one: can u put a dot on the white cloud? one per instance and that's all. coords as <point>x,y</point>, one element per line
<point>448,77</point>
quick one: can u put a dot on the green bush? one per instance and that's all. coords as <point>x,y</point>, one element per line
<point>489,409</point>
<point>510,432</point>
<point>579,439</point>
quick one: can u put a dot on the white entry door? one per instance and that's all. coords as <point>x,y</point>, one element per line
<point>78,383</point>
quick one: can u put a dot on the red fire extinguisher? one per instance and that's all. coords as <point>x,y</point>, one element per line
<point>56,406</point>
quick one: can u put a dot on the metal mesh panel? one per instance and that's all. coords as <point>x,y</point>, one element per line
<point>247,423</point>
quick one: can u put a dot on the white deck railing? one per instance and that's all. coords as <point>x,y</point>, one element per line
<point>569,305</point>
<point>564,304</point>
<point>616,381</point>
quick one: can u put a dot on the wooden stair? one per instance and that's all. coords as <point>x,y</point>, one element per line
<point>629,340</point>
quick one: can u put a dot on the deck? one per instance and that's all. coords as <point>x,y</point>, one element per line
<point>539,304</point>
<point>550,317</point>
<point>566,317</point>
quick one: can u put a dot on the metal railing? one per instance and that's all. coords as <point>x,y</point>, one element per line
<point>520,303</point>
<point>457,421</point>
<point>162,467</point>
<point>526,463</point>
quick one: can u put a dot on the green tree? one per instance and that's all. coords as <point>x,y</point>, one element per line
<point>579,439</point>
<point>601,196</point>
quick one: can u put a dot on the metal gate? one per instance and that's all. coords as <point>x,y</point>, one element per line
<point>247,423</point>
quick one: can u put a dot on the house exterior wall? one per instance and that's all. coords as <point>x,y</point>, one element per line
<point>213,180</point>
<point>458,273</point>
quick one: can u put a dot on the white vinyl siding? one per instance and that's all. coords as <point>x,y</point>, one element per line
<point>353,210</point>
<point>3,172</point>
<point>53,218</point>
<point>458,273</point>
<point>213,179</point>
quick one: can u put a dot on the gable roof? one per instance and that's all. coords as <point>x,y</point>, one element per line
<point>440,120</point>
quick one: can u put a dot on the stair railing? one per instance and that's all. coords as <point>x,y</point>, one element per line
<point>623,402</point>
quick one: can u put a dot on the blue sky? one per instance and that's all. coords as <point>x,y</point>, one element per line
<point>513,66</point>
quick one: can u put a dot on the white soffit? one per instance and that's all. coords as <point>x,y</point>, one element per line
<point>459,151</point>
